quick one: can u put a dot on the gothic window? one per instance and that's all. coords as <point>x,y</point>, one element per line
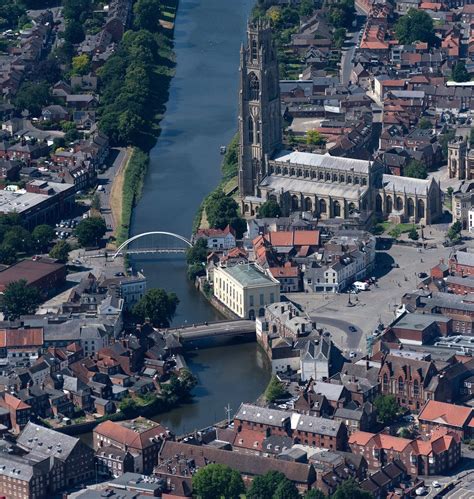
<point>399,203</point>
<point>257,129</point>
<point>334,177</point>
<point>364,181</point>
<point>254,87</point>
<point>322,206</point>
<point>356,180</point>
<point>421,208</point>
<point>251,137</point>
<point>336,209</point>
<point>352,207</point>
<point>278,170</point>
<point>294,202</point>
<point>328,176</point>
<point>285,171</point>
<point>306,173</point>
<point>385,385</point>
<point>411,207</point>
<point>349,179</point>
<point>292,171</point>
<point>389,204</point>
<point>308,204</point>
<point>341,178</point>
<point>416,388</point>
<point>298,173</point>
<point>254,50</point>
<point>378,203</point>
<point>321,176</point>
<point>401,385</point>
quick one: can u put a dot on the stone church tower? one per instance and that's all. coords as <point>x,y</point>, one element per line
<point>457,158</point>
<point>259,106</point>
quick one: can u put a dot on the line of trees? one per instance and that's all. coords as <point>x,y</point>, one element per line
<point>134,81</point>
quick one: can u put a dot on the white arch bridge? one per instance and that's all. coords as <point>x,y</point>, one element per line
<point>154,242</point>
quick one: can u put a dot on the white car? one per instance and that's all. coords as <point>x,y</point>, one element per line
<point>436,484</point>
<point>420,491</point>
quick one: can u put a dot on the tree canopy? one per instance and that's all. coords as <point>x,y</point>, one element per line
<point>413,234</point>
<point>415,169</point>
<point>90,231</point>
<point>217,480</point>
<point>32,96</point>
<point>387,408</point>
<point>42,236</point>
<point>314,494</point>
<point>60,251</point>
<point>349,489</point>
<point>269,209</point>
<point>454,232</point>
<point>314,138</point>
<point>341,14</point>
<point>275,390</point>
<point>20,299</point>
<point>459,72</point>
<point>272,485</point>
<point>158,306</point>
<point>415,26</point>
<point>222,210</point>
<point>147,14</point>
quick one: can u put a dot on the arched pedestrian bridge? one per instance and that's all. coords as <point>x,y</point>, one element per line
<point>153,242</point>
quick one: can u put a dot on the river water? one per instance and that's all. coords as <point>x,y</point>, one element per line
<point>201,116</point>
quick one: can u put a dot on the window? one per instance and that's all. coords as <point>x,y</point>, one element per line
<point>416,388</point>
<point>251,300</point>
<point>385,382</point>
<point>251,136</point>
<point>401,385</point>
<point>262,301</point>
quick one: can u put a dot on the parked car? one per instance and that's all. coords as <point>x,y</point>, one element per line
<point>352,329</point>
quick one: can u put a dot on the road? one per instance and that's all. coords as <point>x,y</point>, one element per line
<point>351,43</point>
<point>351,339</point>
<point>106,180</point>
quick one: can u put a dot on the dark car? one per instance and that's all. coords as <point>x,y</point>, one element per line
<point>352,329</point>
<point>422,275</point>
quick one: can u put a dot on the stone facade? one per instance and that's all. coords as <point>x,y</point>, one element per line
<point>327,186</point>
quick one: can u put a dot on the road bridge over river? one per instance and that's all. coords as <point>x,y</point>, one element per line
<point>221,329</point>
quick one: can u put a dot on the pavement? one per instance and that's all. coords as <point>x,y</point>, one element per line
<point>378,304</point>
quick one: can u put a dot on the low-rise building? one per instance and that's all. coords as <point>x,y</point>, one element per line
<point>141,437</point>
<point>217,239</point>
<point>455,418</point>
<point>245,290</point>
<point>435,456</point>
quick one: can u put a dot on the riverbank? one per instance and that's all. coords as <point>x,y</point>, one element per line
<point>139,75</point>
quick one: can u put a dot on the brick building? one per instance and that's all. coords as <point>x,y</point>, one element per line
<point>460,285</point>
<point>420,457</point>
<point>141,437</point>
<point>462,263</point>
<point>455,418</point>
<point>44,274</point>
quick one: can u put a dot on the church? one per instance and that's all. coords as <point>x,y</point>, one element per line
<point>324,185</point>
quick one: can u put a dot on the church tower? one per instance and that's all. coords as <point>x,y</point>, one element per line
<point>259,106</point>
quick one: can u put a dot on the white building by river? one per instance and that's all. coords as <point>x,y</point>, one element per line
<point>245,290</point>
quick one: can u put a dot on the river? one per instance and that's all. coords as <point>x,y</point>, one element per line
<point>201,116</point>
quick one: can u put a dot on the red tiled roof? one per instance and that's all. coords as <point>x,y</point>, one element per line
<point>215,232</point>
<point>128,436</point>
<point>360,438</point>
<point>249,439</point>
<point>294,238</point>
<point>14,403</point>
<point>284,272</point>
<point>388,442</point>
<point>14,338</point>
<point>442,413</point>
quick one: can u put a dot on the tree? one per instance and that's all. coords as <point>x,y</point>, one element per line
<point>454,232</point>
<point>60,251</point>
<point>314,138</point>
<point>198,252</point>
<point>415,26</point>
<point>286,490</point>
<point>449,191</point>
<point>32,96</point>
<point>265,486</point>
<point>7,255</point>
<point>158,306</point>
<point>42,237</point>
<point>306,8</point>
<point>216,481</point>
<point>47,70</point>
<point>314,494</point>
<point>341,14</point>
<point>387,408</point>
<point>413,234</point>
<point>20,299</point>
<point>147,14</point>
<point>425,124</point>
<point>76,9</point>
<point>349,489</point>
<point>445,139</point>
<point>74,32</point>
<point>339,37</point>
<point>415,169</point>
<point>18,238</point>
<point>459,73</point>
<point>81,64</point>
<point>222,210</point>
<point>269,209</point>
<point>90,231</point>
<point>275,390</point>
<point>95,202</point>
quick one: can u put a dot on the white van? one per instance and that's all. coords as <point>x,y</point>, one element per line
<point>361,286</point>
